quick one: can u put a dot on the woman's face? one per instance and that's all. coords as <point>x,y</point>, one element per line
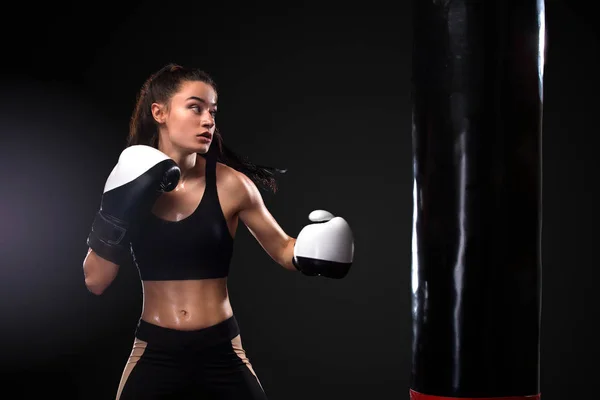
<point>189,122</point>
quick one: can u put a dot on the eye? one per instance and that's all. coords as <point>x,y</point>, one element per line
<point>195,107</point>
<point>213,113</point>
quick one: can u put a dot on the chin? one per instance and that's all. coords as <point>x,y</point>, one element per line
<point>202,149</point>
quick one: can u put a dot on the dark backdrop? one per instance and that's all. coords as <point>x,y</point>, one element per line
<point>321,90</point>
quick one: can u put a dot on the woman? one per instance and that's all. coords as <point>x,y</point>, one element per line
<point>187,342</point>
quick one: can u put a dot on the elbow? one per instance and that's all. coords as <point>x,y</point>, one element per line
<point>98,273</point>
<point>95,289</point>
<point>288,254</point>
<point>94,286</point>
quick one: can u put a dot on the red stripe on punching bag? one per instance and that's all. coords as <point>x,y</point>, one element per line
<point>419,396</point>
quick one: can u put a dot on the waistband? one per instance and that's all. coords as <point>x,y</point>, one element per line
<point>198,339</point>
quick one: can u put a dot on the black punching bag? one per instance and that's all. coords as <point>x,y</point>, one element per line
<point>476,258</point>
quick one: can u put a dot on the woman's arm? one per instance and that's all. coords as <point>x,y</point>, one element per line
<point>262,225</point>
<point>98,272</point>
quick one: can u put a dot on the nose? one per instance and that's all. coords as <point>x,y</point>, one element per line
<point>208,121</point>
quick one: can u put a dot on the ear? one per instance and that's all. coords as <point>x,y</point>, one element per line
<point>158,112</point>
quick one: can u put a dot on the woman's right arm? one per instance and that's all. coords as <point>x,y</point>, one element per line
<point>98,272</point>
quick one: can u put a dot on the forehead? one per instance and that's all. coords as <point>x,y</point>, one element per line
<point>196,89</point>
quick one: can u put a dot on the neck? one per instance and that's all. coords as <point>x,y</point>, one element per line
<point>188,164</point>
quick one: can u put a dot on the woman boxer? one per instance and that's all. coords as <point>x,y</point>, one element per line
<point>173,202</point>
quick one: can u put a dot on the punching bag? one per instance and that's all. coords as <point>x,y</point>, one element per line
<point>476,248</point>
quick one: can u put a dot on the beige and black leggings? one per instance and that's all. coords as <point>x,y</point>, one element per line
<point>209,363</point>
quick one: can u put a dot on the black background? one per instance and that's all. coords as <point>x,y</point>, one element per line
<point>320,89</point>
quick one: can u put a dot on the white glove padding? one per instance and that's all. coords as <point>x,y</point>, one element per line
<point>324,248</point>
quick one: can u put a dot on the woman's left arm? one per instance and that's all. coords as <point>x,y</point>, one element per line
<point>263,226</point>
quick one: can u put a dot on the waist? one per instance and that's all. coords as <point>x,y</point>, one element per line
<point>197,339</point>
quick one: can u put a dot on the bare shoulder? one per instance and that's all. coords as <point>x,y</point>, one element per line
<point>236,183</point>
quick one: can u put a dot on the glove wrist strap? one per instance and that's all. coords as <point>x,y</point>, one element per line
<point>109,238</point>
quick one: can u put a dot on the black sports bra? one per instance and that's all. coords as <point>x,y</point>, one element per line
<point>197,247</point>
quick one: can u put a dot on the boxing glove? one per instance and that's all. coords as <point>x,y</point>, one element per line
<point>141,174</point>
<point>324,248</point>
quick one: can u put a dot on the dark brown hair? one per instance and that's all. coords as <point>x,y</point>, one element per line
<point>159,88</point>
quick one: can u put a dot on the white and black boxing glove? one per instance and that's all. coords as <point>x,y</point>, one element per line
<point>141,174</point>
<point>325,247</point>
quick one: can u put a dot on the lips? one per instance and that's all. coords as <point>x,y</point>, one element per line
<point>205,135</point>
